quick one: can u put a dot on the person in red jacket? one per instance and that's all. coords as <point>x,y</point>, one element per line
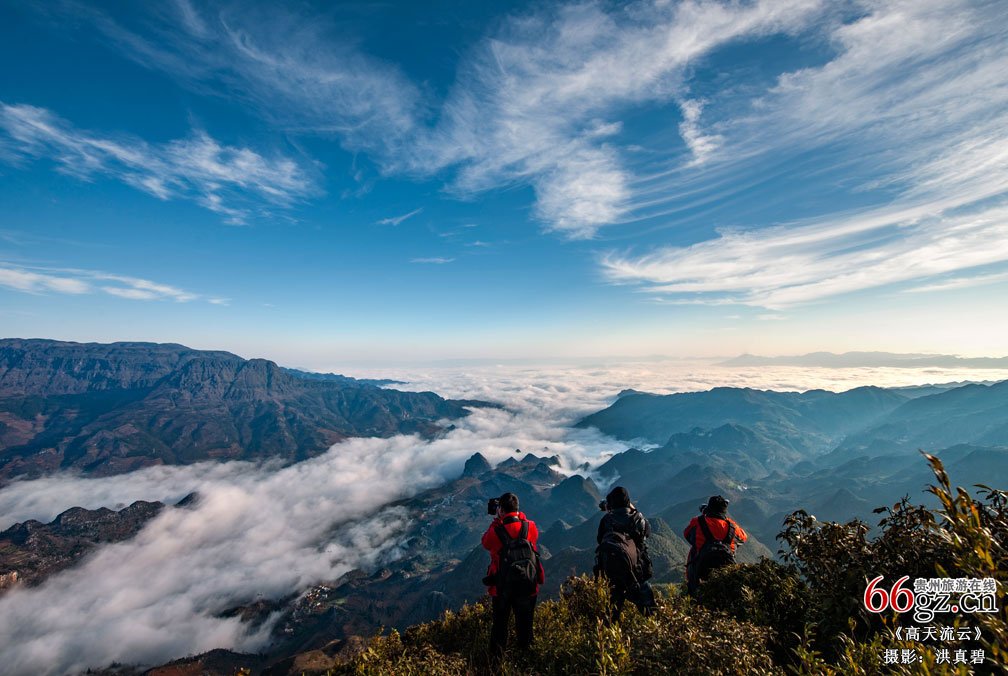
<point>506,595</point>
<point>724,533</point>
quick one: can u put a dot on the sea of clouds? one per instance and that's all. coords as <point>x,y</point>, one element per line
<point>269,531</point>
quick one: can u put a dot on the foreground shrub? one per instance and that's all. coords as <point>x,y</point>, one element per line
<point>965,537</point>
<point>976,533</point>
<point>766,594</point>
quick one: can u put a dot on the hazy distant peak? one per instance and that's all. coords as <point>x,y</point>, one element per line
<point>869,359</point>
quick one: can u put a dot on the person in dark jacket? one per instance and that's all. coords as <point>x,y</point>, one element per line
<point>715,517</point>
<point>502,606</point>
<point>622,517</point>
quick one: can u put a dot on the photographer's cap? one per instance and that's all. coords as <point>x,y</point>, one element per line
<point>716,503</point>
<point>618,498</point>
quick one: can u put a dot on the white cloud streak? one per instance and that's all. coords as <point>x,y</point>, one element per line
<point>700,144</point>
<point>198,168</point>
<point>396,220</point>
<point>77,282</point>
<point>784,266</point>
<point>962,283</point>
<point>36,282</point>
<point>436,260</point>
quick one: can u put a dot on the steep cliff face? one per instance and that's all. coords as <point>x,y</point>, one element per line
<point>107,409</point>
<point>50,367</point>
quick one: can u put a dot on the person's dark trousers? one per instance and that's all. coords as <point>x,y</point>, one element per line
<point>523,608</point>
<point>641,596</point>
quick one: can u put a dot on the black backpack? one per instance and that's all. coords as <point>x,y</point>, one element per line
<point>714,553</point>
<point>618,558</point>
<point>645,569</point>
<point>517,562</point>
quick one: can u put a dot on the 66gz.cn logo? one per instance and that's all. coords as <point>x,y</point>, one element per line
<point>931,596</point>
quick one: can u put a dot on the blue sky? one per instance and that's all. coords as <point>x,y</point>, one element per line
<point>412,181</point>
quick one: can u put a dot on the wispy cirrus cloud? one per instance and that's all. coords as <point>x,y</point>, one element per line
<point>298,70</point>
<point>38,282</point>
<point>539,103</point>
<point>32,279</point>
<point>435,260</point>
<point>789,265</point>
<point>536,103</point>
<point>701,145</point>
<point>910,114</point>
<point>396,220</point>
<point>902,108</point>
<point>221,178</point>
<point>964,282</point>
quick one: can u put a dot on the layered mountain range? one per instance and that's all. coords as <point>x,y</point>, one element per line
<point>837,456</point>
<point>111,408</point>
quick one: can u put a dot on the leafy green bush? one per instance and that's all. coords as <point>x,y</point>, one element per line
<point>766,594</point>
<point>976,534</point>
<point>966,537</point>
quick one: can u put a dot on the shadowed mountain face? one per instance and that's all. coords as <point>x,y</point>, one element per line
<point>107,409</point>
<point>976,414</point>
<point>798,423</point>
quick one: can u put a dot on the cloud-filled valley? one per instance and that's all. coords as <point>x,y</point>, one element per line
<point>265,531</point>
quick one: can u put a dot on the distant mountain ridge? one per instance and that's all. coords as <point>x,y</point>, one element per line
<point>769,453</point>
<point>343,380</point>
<point>111,408</point>
<point>869,359</point>
<point>974,414</point>
<point>757,432</point>
<point>802,422</point>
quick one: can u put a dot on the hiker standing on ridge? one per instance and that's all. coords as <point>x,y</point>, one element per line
<point>515,572</point>
<point>712,536</point>
<point>621,555</point>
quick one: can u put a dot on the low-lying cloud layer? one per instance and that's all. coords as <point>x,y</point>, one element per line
<point>274,531</point>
